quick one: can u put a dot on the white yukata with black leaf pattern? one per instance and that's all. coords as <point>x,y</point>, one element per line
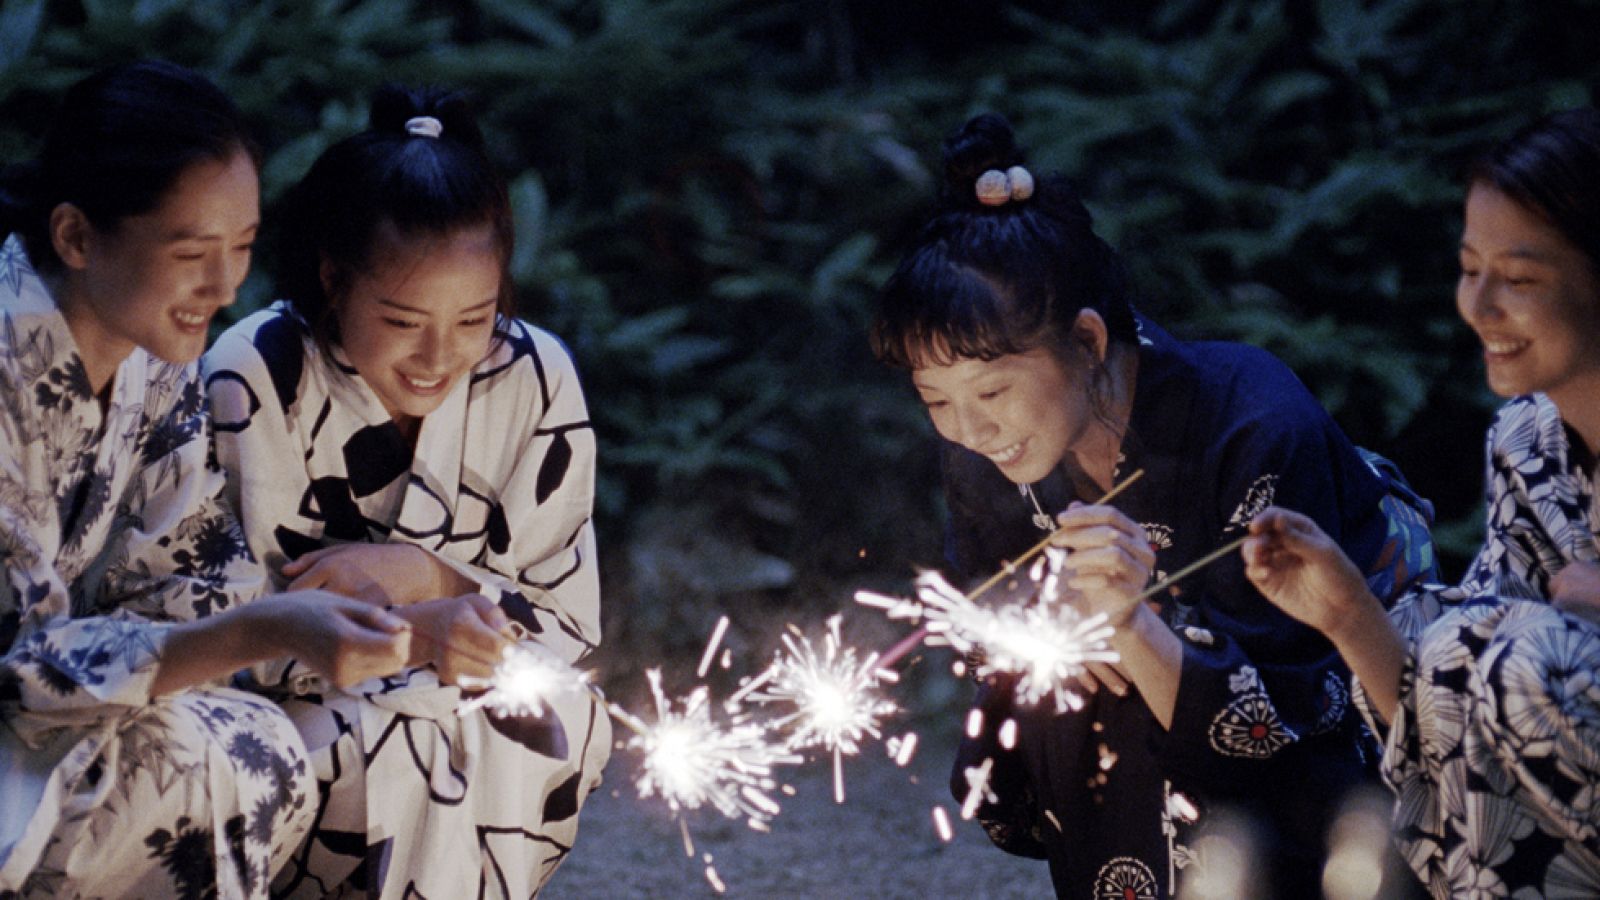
<point>1494,751</point>
<point>111,529</point>
<point>500,487</point>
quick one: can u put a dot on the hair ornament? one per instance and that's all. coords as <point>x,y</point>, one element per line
<point>994,188</point>
<point>424,126</point>
<point>1021,182</point>
<point>997,188</point>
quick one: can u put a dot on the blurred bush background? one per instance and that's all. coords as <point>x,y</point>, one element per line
<point>708,193</point>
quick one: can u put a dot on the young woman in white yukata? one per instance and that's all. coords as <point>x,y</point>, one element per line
<point>392,431</point>
<point>125,770</point>
<point>1487,692</point>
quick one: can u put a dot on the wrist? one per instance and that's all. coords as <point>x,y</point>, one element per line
<point>1358,620</point>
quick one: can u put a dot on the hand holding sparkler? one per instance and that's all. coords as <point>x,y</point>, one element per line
<point>464,636</point>
<point>1109,562</point>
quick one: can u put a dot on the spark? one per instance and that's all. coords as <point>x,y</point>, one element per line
<point>526,677</point>
<point>835,695</point>
<point>941,824</point>
<point>1044,642</point>
<point>901,748</point>
<point>978,790</point>
<point>711,647</point>
<point>691,761</point>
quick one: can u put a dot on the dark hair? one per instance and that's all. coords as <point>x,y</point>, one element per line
<point>120,140</point>
<point>422,186</point>
<point>987,281</point>
<point>1552,168</point>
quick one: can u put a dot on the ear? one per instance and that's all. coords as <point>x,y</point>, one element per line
<point>328,274</point>
<point>71,234</point>
<point>1089,330</point>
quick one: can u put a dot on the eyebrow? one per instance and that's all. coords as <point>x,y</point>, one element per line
<point>427,312</point>
<point>1519,252</point>
<point>189,234</point>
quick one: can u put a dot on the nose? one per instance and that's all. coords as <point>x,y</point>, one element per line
<point>433,349</point>
<point>973,428</point>
<point>1476,298</point>
<point>222,276</point>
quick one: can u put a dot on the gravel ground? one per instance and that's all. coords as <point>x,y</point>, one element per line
<point>880,843</point>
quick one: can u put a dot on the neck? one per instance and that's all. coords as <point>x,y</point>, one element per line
<point>101,351</point>
<point>1098,458</point>
<point>1579,402</point>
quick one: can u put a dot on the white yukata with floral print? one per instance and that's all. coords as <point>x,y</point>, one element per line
<point>1494,751</point>
<point>500,487</point>
<point>111,529</point>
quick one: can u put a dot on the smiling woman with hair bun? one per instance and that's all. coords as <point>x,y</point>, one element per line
<point>1046,387</point>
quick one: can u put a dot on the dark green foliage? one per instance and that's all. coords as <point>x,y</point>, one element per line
<point>709,191</point>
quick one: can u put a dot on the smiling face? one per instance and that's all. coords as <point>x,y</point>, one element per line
<point>156,279</point>
<point>1024,411</point>
<point>1532,297</point>
<point>420,318</point>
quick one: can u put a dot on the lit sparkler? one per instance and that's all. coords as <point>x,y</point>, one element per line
<point>835,695</point>
<point>691,761</point>
<point>524,680</point>
<point>1045,643</point>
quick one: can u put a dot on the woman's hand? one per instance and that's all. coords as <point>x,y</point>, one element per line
<point>1576,589</point>
<point>1303,572</point>
<point>347,641</point>
<point>397,574</point>
<point>1110,562</point>
<point>462,635</point>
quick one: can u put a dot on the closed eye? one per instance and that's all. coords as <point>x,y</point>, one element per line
<point>401,323</point>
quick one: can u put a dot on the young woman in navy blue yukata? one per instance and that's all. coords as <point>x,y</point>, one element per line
<point>1048,388</point>
<point>392,431</point>
<point>126,768</point>
<point>1486,693</point>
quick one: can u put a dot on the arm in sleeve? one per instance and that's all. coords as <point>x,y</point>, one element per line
<point>175,554</point>
<point>1254,681</point>
<point>539,560</point>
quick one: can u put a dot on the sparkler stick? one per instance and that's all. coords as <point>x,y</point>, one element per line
<point>909,642</point>
<point>1191,568</point>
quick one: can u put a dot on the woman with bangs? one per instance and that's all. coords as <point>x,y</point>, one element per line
<point>127,767</point>
<point>392,432</point>
<point>1486,693</point>
<point>1015,322</point>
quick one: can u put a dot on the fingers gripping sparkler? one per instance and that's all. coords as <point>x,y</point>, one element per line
<point>1045,643</point>
<point>835,695</point>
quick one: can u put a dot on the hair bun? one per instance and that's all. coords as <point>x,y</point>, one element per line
<point>394,105</point>
<point>985,143</point>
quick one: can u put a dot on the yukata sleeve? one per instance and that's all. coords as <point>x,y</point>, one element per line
<point>175,554</point>
<point>539,558</point>
<point>1254,681</point>
<point>1516,561</point>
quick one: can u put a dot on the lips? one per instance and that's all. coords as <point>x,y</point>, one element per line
<point>1006,456</point>
<point>192,322</point>
<point>423,386</point>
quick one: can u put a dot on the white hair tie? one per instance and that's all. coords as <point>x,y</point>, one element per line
<point>997,188</point>
<point>424,126</point>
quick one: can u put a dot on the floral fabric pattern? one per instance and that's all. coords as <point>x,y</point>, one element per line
<point>111,529</point>
<point>1494,752</point>
<point>500,486</point>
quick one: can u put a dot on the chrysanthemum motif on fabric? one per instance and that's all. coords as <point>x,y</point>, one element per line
<point>1249,726</point>
<point>1259,497</point>
<point>1335,700</point>
<point>1125,878</point>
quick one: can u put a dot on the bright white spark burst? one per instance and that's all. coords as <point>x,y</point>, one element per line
<point>526,677</point>
<point>691,761</point>
<point>835,695</point>
<point>1045,643</point>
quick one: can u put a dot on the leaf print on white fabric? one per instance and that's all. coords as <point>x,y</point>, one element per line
<point>14,264</point>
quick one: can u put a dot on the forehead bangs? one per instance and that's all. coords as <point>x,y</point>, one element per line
<point>940,314</point>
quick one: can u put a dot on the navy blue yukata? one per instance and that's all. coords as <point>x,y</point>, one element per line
<point>1264,725</point>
